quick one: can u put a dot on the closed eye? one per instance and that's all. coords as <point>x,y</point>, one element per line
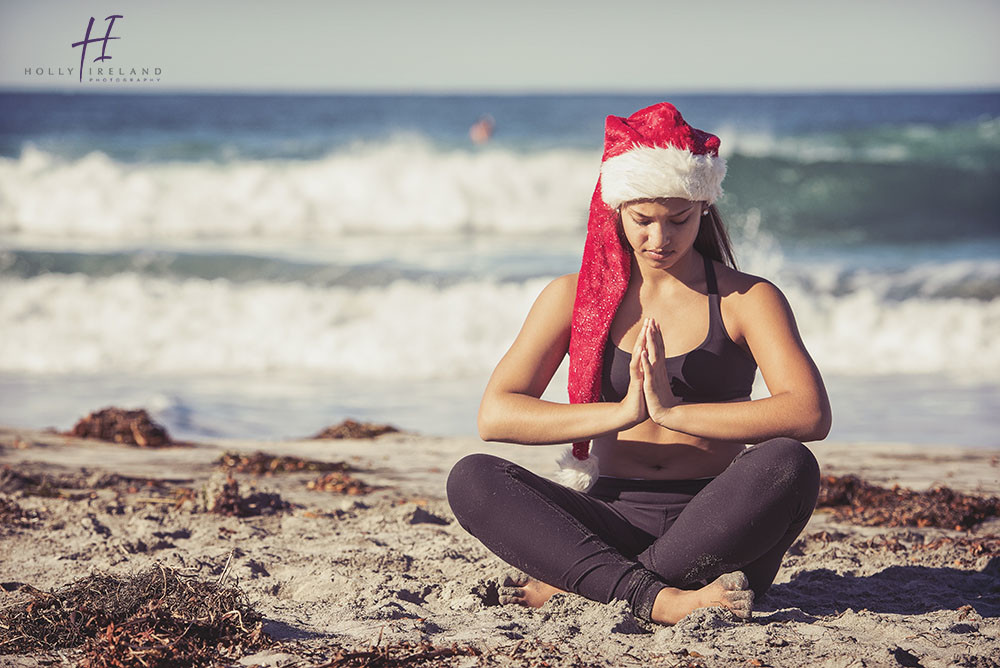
<point>686,217</point>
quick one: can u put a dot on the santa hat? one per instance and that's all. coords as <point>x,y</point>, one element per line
<point>652,154</point>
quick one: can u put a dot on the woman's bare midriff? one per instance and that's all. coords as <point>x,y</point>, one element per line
<point>649,451</point>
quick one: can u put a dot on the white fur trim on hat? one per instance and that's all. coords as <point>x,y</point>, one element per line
<point>648,172</point>
<point>576,474</point>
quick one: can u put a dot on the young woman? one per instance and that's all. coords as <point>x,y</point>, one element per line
<point>668,509</point>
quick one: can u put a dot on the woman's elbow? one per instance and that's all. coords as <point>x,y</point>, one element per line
<point>817,427</point>
<point>486,423</point>
<point>485,429</point>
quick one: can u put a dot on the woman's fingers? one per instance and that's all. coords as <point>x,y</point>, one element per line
<point>658,340</point>
<point>654,341</point>
<point>635,397</point>
<point>654,354</point>
<point>635,366</point>
<point>640,342</point>
<point>648,391</point>
<point>647,370</point>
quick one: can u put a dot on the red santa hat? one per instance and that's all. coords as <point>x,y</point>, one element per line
<point>652,154</point>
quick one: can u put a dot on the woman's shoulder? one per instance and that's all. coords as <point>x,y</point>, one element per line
<point>743,291</point>
<point>561,289</point>
<point>549,320</point>
<point>747,297</point>
<point>733,282</point>
<point>553,308</point>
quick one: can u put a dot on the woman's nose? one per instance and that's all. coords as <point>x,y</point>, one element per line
<point>657,235</point>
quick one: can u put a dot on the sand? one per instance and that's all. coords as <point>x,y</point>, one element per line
<point>393,564</point>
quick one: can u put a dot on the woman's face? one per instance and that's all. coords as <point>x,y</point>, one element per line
<point>661,231</point>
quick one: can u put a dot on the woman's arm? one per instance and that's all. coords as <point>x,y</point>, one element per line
<point>798,406</point>
<point>511,409</point>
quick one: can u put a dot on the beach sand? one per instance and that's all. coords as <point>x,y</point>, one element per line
<point>393,564</point>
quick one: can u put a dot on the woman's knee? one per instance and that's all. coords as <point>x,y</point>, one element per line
<point>789,463</point>
<point>472,482</point>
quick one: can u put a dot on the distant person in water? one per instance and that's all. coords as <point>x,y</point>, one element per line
<point>660,502</point>
<point>482,130</point>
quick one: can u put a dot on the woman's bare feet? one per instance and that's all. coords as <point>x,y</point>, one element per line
<point>731,591</point>
<point>520,589</point>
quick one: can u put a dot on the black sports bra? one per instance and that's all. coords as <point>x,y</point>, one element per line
<point>717,370</point>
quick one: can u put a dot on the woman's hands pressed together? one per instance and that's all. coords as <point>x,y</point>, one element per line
<point>649,394</point>
<point>656,389</point>
<point>634,401</point>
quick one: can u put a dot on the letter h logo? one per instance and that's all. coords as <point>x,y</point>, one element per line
<point>87,40</point>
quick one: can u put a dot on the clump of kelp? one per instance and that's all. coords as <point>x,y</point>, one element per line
<point>402,653</point>
<point>526,654</point>
<point>354,429</point>
<point>855,500</point>
<point>123,426</point>
<point>222,496</point>
<point>159,618</point>
<point>965,550</point>
<point>13,516</point>
<point>335,476</point>
<point>263,464</point>
<point>155,618</point>
<point>339,482</point>
<point>47,484</point>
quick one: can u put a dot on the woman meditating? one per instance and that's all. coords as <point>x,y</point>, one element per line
<point>660,502</point>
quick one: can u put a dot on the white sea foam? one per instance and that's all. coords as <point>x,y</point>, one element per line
<point>71,323</point>
<point>405,185</point>
<point>414,331</point>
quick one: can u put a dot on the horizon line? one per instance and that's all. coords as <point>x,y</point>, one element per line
<point>493,92</point>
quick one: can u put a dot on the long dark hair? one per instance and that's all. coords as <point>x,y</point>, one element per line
<point>712,240</point>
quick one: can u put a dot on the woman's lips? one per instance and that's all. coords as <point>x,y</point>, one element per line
<point>658,255</point>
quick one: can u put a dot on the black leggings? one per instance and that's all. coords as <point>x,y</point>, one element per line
<point>628,539</point>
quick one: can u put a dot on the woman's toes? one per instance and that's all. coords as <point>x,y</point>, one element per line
<point>734,581</point>
<point>515,579</point>
<point>742,596</point>
<point>511,595</point>
<point>732,591</point>
<point>741,603</point>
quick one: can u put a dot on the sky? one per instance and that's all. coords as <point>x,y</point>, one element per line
<point>465,46</point>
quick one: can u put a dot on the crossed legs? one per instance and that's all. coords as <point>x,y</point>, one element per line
<point>743,520</point>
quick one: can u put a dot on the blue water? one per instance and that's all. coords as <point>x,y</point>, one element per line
<point>262,265</point>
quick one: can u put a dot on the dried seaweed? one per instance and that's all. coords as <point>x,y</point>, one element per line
<point>962,550</point>
<point>53,484</point>
<point>222,497</point>
<point>12,480</point>
<point>13,516</point>
<point>354,429</point>
<point>339,483</point>
<point>154,618</point>
<point>261,463</point>
<point>397,654</point>
<point>523,654</point>
<point>974,546</point>
<point>123,426</point>
<point>860,502</point>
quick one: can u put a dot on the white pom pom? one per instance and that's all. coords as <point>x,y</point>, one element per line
<point>576,474</point>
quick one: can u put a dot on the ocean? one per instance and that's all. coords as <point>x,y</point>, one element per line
<point>263,266</point>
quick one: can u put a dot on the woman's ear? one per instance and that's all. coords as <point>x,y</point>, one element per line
<point>620,229</point>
